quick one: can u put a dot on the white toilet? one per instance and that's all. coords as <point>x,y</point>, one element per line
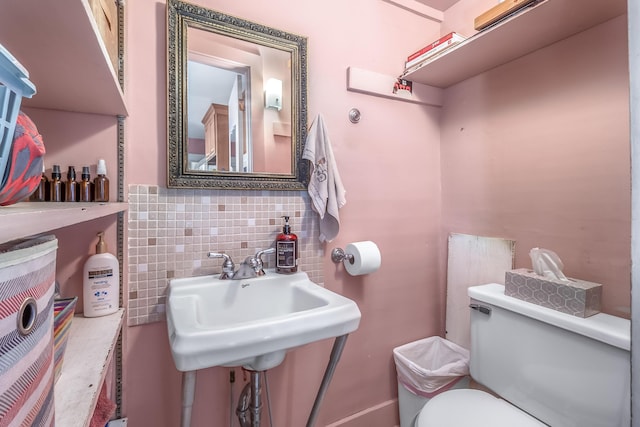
<point>549,368</point>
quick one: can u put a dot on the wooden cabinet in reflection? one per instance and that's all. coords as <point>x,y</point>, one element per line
<point>216,135</point>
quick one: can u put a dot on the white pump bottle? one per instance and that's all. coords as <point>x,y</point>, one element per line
<point>101,282</point>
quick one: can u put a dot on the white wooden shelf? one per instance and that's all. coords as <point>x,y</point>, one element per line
<point>89,350</point>
<point>60,45</point>
<point>531,29</point>
<point>28,218</point>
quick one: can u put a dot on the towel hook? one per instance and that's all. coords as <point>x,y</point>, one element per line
<point>354,115</point>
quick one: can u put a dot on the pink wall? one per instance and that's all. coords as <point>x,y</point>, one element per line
<point>88,131</point>
<point>196,145</point>
<point>460,16</point>
<point>538,151</point>
<point>554,107</point>
<point>390,166</point>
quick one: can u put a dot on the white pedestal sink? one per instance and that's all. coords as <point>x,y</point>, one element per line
<point>251,322</point>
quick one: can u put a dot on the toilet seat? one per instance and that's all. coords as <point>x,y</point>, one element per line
<point>470,407</point>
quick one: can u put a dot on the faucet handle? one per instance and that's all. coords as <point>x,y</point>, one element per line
<point>264,252</point>
<point>258,258</point>
<point>228,267</point>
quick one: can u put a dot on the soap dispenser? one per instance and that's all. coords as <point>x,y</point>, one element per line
<point>101,282</point>
<point>286,250</point>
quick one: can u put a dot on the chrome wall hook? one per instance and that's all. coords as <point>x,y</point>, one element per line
<point>354,115</point>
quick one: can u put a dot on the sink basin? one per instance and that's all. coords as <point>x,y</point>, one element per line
<point>251,322</point>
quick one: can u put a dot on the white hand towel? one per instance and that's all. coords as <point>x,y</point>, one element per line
<point>325,186</point>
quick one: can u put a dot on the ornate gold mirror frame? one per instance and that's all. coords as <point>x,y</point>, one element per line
<point>181,19</point>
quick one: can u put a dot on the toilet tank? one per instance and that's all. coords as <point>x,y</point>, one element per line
<point>564,370</point>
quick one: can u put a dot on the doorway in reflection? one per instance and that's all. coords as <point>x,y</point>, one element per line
<point>218,103</point>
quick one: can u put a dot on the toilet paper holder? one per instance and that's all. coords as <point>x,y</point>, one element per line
<point>358,257</point>
<point>338,255</point>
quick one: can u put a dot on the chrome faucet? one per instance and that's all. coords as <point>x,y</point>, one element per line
<point>251,267</point>
<point>247,269</point>
<point>228,267</point>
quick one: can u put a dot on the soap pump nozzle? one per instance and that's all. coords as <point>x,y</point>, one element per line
<point>101,246</point>
<point>286,229</point>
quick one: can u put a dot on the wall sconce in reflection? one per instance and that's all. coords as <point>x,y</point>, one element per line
<point>273,94</point>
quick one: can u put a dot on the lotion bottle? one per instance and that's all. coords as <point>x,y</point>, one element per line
<point>101,282</point>
<point>286,250</point>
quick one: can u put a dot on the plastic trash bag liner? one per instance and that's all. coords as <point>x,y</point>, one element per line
<point>428,365</point>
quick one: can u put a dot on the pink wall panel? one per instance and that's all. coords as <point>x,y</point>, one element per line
<point>389,163</point>
<point>538,151</point>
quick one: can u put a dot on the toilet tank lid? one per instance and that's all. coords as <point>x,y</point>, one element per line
<point>606,328</point>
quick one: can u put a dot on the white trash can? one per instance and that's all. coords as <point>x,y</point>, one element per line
<point>426,368</point>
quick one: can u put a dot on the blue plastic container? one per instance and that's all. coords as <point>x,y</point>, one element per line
<point>14,85</point>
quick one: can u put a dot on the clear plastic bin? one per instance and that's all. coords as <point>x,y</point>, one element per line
<point>426,368</point>
<point>14,85</point>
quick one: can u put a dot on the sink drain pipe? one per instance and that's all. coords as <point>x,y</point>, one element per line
<point>250,402</point>
<point>242,411</point>
<point>250,397</point>
<point>336,352</point>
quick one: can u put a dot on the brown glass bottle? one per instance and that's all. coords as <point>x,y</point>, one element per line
<point>101,184</point>
<point>41,194</point>
<point>71,186</point>
<point>56,186</point>
<point>85,193</point>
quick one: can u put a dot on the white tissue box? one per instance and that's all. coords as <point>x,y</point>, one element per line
<point>578,297</point>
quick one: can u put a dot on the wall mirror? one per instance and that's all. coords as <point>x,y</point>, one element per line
<point>237,102</point>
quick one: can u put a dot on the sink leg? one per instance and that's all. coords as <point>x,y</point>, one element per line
<point>336,352</point>
<point>188,393</point>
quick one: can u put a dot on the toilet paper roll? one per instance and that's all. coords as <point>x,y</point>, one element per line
<point>366,258</point>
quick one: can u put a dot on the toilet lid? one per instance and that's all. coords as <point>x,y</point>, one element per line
<point>469,407</point>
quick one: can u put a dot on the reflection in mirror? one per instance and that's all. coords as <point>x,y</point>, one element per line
<point>222,75</point>
<point>214,135</point>
<point>236,101</point>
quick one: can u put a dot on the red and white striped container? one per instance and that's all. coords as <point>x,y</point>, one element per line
<point>27,285</point>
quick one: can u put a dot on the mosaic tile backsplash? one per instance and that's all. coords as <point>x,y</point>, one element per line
<point>170,232</point>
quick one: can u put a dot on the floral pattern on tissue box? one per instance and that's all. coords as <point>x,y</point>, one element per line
<point>578,297</point>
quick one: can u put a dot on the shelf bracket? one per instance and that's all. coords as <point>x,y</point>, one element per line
<point>377,84</point>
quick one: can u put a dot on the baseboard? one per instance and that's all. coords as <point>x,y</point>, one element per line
<point>384,414</point>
